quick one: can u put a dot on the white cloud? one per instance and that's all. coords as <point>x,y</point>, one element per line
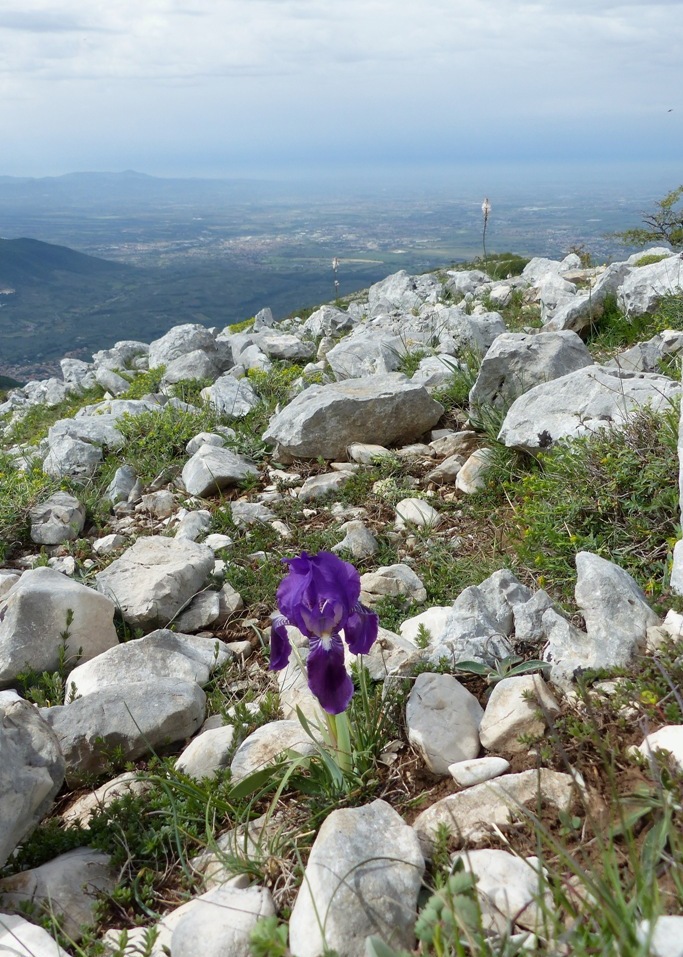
<point>311,70</point>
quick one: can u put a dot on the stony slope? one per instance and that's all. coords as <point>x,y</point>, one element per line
<point>143,535</point>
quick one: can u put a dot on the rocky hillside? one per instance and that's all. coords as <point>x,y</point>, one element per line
<point>490,466</point>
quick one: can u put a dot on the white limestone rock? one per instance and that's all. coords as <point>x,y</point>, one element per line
<point>128,720</point>
<point>179,341</point>
<point>264,745</point>
<point>221,921</point>
<point>471,477</point>
<point>580,403</point>
<point>325,420</point>
<point>162,654</point>
<point>477,770</point>
<point>665,938</point>
<point>518,361</point>
<point>644,286</point>
<point>513,710</point>
<point>614,608</point>
<point>470,814</point>
<point>358,540</point>
<point>31,771</point>
<point>443,720</point>
<point>81,811</point>
<point>212,468</point>
<point>154,578</point>
<point>367,353</point>
<point>208,753</point>
<point>391,580</point>
<point>318,486</point>
<point>509,889</point>
<point>362,878</point>
<point>416,512</point>
<point>36,614</point>
<point>479,625</point>
<point>231,397</point>
<point>669,738</point>
<point>20,938</point>
<point>60,518</point>
<point>66,887</point>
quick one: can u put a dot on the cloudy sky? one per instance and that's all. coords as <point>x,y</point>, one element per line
<point>217,87</point>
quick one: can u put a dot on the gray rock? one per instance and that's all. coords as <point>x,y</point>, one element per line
<point>194,525</point>
<point>179,341</point>
<point>79,375</point>
<point>469,815</point>
<point>222,919</point>
<point>31,772</point>
<point>250,513</point>
<point>287,347</point>
<point>644,286</point>
<point>435,372</point>
<point>232,397</point>
<point>208,753</point>
<point>20,938</point>
<point>362,878</point>
<point>154,578</point>
<point>158,504</point>
<point>614,608</point>
<point>643,357</point>
<point>365,354</point>
<point>96,429</point>
<point>61,518</point>
<point>203,611</point>
<point>328,321</point>
<point>213,468</point>
<point>198,364</point>
<point>443,719</point>
<point>46,615</point>
<point>516,362</point>
<point>264,745</point>
<point>669,739</point>
<point>111,381</point>
<point>359,540</point>
<point>480,623</point>
<point>447,471</point>
<point>465,281</point>
<point>121,485</point>
<point>125,722</point>
<point>392,580</point>
<point>318,486</point>
<point>71,458</point>
<point>108,544</point>
<point>325,420</point>
<point>403,292</point>
<point>162,653</point>
<point>65,887</point>
<point>205,438</point>
<point>579,404</point>
<point>263,319</point>
<point>518,706</point>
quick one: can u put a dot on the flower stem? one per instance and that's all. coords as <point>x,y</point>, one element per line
<point>340,733</point>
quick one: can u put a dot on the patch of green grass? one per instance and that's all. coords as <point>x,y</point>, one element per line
<point>143,383</point>
<point>156,440</point>
<point>613,493</point>
<point>19,492</point>
<point>651,259</point>
<point>37,419</point>
<point>613,331</point>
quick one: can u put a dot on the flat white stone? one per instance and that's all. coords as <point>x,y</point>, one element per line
<point>477,770</point>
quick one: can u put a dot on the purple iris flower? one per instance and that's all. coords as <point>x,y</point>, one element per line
<point>320,596</point>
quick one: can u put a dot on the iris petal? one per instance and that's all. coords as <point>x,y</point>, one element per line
<point>319,593</point>
<point>360,630</point>
<point>280,647</point>
<point>327,676</point>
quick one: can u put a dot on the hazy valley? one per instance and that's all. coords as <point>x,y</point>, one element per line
<point>216,251</point>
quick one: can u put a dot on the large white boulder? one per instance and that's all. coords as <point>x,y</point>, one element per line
<point>47,615</point>
<point>325,420</point>
<point>155,578</point>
